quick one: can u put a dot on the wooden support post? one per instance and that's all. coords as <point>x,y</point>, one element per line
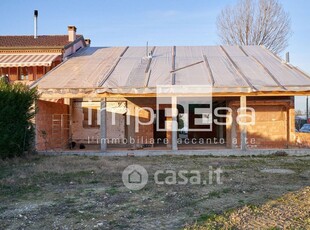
<point>233,129</point>
<point>174,123</point>
<point>103,128</point>
<point>69,102</point>
<point>243,120</point>
<point>290,123</point>
<point>169,131</point>
<point>70,118</point>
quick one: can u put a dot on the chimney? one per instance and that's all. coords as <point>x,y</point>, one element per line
<point>287,55</point>
<point>71,33</point>
<point>35,15</point>
<point>87,41</point>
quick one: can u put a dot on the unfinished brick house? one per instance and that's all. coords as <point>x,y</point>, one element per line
<point>109,92</point>
<point>27,58</point>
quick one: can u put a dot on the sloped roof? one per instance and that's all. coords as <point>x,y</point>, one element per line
<point>84,69</point>
<point>129,70</point>
<point>28,41</point>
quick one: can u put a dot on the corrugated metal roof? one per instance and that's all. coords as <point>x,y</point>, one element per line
<point>130,70</point>
<point>20,60</point>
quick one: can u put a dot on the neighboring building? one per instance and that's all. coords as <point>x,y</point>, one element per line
<point>97,82</point>
<point>300,121</point>
<point>27,58</point>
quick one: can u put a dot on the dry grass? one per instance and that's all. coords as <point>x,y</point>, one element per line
<point>291,211</point>
<point>71,192</point>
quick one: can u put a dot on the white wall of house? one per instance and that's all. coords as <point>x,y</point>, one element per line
<point>74,48</point>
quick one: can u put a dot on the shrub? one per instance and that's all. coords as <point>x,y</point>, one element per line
<point>17,112</point>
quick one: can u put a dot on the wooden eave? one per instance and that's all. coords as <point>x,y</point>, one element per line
<point>93,93</point>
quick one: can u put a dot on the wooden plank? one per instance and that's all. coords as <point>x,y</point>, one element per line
<point>93,93</point>
<point>148,70</point>
<point>262,103</point>
<point>147,78</point>
<point>288,125</point>
<point>209,70</point>
<point>82,95</point>
<point>184,67</point>
<point>150,60</point>
<point>173,64</point>
<point>291,122</point>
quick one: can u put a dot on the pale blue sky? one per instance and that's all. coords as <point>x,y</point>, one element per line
<point>133,22</point>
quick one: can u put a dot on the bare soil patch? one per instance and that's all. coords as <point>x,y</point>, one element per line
<point>291,211</point>
<point>280,171</point>
<point>74,192</point>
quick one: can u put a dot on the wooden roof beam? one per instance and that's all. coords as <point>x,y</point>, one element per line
<point>209,70</point>
<point>184,67</point>
<point>148,68</point>
<point>173,64</point>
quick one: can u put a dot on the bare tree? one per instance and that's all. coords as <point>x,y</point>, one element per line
<point>255,22</point>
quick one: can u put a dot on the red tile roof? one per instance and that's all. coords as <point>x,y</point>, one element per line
<point>28,41</point>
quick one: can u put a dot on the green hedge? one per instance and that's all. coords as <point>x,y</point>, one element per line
<point>16,113</point>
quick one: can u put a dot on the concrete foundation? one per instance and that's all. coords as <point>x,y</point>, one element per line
<point>220,153</point>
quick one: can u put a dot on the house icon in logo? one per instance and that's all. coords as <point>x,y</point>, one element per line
<point>135,177</point>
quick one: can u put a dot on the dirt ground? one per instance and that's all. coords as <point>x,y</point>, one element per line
<point>291,211</point>
<point>74,192</point>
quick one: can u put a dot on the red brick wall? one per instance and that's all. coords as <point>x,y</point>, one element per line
<point>47,137</point>
<point>145,132</point>
<point>272,128</point>
<point>302,140</point>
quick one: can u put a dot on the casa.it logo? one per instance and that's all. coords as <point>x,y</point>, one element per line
<point>135,177</point>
